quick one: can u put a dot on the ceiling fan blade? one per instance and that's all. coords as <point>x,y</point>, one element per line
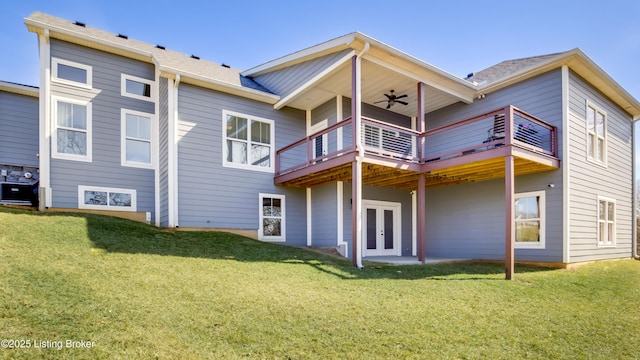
<point>402,102</point>
<point>381,101</point>
<point>389,96</point>
<point>401,96</point>
<point>388,106</point>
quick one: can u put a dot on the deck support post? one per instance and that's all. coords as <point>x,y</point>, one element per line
<point>421,216</point>
<point>510,231</point>
<point>356,168</point>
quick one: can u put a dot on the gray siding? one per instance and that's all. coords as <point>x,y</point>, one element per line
<point>589,180</point>
<point>468,220</point>
<point>19,129</point>
<point>163,119</point>
<point>105,169</point>
<point>213,196</point>
<point>323,212</point>
<point>285,81</point>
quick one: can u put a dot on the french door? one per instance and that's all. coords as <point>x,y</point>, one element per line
<point>381,228</point>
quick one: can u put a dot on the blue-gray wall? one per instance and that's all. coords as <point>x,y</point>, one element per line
<point>105,170</point>
<point>19,129</point>
<point>467,221</point>
<point>589,180</point>
<point>213,196</point>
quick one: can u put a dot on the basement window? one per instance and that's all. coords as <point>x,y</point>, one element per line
<point>530,220</point>
<point>272,218</point>
<point>101,198</point>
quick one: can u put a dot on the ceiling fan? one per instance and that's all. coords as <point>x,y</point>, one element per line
<point>392,99</point>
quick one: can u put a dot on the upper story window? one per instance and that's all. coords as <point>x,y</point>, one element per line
<point>606,222</point>
<point>71,136</point>
<point>248,142</point>
<point>530,220</point>
<point>136,141</point>
<point>135,87</point>
<point>71,73</point>
<point>596,134</point>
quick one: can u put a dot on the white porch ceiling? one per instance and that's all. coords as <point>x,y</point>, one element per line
<point>376,81</point>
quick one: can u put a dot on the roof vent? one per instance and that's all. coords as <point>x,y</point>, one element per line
<point>195,57</point>
<point>160,47</point>
<point>470,75</point>
<point>123,36</point>
<point>80,24</point>
<point>226,66</point>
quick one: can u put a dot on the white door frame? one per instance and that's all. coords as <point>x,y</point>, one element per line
<point>397,227</point>
<point>325,137</point>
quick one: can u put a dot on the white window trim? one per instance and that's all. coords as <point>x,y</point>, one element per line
<point>82,205</point>
<point>590,158</point>
<point>272,146</point>
<point>123,87</point>
<point>543,226</point>
<point>54,129</point>
<point>283,223</point>
<point>123,139</point>
<point>87,68</point>
<point>611,244</point>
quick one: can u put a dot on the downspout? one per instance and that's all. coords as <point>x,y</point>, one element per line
<point>359,158</point>
<point>634,187</point>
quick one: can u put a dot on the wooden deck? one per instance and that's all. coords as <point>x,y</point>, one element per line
<point>398,162</point>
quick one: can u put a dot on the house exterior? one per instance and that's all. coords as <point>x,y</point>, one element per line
<point>349,144</point>
<point>19,145</point>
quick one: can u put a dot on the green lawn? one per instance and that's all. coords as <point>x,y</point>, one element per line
<point>140,292</point>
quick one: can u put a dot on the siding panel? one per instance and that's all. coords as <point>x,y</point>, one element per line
<point>590,180</point>
<point>19,119</point>
<point>213,196</point>
<point>105,169</point>
<point>468,220</point>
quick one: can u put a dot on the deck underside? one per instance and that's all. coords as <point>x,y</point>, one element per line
<point>394,173</point>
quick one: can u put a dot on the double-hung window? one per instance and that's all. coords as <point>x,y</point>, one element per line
<point>272,217</point>
<point>137,139</point>
<point>72,129</point>
<point>596,134</point>
<point>248,142</point>
<point>530,220</point>
<point>71,73</point>
<point>606,222</point>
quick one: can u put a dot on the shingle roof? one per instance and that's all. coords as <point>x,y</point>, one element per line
<point>508,67</point>
<point>166,58</point>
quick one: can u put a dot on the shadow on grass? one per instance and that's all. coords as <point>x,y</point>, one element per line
<point>116,235</point>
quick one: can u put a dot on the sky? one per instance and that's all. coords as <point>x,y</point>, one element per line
<point>458,36</point>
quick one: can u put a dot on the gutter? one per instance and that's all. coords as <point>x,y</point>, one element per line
<point>634,187</point>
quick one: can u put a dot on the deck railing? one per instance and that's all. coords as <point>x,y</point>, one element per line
<point>494,129</point>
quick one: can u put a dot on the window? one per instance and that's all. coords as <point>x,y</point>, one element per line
<point>99,198</point>
<point>606,222</point>
<point>72,129</point>
<point>135,87</point>
<point>136,143</point>
<point>272,218</point>
<point>530,220</point>
<point>248,142</point>
<point>71,73</point>
<point>596,134</point>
